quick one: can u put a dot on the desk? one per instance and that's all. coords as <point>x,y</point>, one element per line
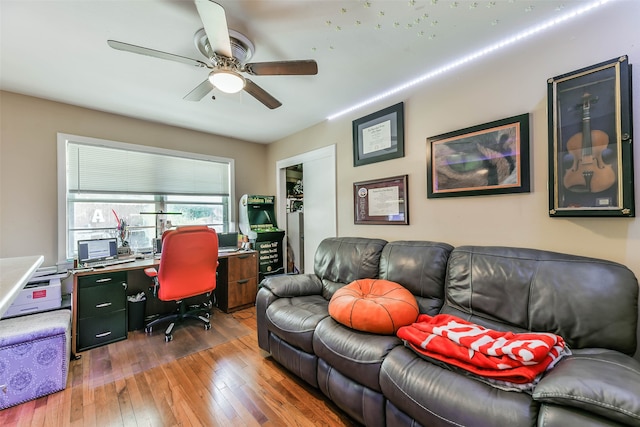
<point>14,274</point>
<point>99,307</point>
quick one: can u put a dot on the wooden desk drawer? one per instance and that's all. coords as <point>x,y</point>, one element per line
<point>85,282</point>
<point>242,292</point>
<point>100,330</point>
<point>101,299</point>
<point>242,266</point>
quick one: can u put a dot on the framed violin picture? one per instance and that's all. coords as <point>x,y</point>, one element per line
<point>590,141</point>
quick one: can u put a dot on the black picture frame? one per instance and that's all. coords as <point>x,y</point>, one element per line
<point>382,201</point>
<point>590,141</point>
<point>379,136</point>
<point>491,158</point>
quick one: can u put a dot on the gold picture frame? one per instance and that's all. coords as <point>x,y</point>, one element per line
<point>590,135</point>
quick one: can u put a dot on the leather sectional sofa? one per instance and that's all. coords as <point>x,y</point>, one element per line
<point>377,380</point>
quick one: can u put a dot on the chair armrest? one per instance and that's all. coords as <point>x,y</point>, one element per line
<point>151,272</point>
<point>604,382</point>
<point>293,285</point>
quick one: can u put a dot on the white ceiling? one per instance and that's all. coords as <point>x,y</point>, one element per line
<point>58,50</point>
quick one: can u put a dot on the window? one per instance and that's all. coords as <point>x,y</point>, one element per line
<point>102,181</point>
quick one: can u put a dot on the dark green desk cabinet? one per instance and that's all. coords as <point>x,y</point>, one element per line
<point>101,310</point>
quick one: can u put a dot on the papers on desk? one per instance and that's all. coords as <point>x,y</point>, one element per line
<point>47,271</point>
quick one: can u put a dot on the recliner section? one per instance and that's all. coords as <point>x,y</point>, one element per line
<point>378,381</point>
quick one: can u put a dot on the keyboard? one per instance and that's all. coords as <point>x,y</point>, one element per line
<point>227,250</point>
<point>109,262</point>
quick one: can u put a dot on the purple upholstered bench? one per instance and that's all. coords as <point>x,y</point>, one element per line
<point>34,356</point>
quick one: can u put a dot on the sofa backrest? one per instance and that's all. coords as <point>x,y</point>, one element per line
<point>341,260</point>
<point>419,266</point>
<point>589,302</point>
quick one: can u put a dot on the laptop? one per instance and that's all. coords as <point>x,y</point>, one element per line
<point>228,242</point>
<point>99,252</point>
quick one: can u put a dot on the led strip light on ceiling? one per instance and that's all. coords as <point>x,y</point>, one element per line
<point>478,54</point>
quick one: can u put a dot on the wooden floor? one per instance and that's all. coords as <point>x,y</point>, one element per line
<point>232,383</point>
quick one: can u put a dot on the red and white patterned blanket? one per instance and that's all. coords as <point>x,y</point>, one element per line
<point>505,356</point>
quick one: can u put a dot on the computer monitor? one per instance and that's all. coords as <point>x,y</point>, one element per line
<point>228,241</point>
<point>92,250</point>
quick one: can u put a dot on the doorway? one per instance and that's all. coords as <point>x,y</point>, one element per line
<point>295,219</point>
<point>319,198</point>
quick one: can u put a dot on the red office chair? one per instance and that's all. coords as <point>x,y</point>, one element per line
<point>187,268</point>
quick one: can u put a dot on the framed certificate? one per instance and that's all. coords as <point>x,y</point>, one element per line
<point>379,136</point>
<point>382,201</point>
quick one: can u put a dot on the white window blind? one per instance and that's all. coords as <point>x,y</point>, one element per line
<point>98,169</point>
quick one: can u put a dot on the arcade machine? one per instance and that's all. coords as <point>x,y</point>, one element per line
<point>257,220</point>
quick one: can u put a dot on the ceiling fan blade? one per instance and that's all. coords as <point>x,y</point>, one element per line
<point>199,91</point>
<point>215,25</point>
<point>281,68</point>
<point>261,95</point>
<point>155,53</point>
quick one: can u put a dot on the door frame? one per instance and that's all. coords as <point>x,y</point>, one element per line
<point>281,186</point>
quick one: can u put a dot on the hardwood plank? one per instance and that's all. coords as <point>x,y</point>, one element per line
<point>218,377</point>
<point>198,367</point>
<point>125,404</point>
<point>193,400</point>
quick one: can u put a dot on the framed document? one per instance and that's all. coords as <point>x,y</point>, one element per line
<point>379,136</point>
<point>381,201</point>
<point>590,141</point>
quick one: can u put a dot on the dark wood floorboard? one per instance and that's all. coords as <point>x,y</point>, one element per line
<point>218,377</point>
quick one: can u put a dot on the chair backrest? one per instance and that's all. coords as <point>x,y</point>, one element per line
<point>188,263</point>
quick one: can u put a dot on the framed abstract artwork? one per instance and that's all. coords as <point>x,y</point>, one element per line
<point>492,158</point>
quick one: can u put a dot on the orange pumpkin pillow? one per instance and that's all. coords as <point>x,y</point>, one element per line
<point>374,305</point>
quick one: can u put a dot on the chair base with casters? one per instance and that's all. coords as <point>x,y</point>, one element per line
<point>200,312</point>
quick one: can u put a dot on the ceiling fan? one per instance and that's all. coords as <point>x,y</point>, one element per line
<point>227,52</point>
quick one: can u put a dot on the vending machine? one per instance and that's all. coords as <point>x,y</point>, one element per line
<point>257,220</point>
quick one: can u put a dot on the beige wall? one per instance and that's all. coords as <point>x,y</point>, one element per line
<point>28,170</point>
<point>502,85</point>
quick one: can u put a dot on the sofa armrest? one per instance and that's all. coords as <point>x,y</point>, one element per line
<point>604,382</point>
<point>293,285</point>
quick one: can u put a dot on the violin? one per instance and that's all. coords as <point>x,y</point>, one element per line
<point>588,172</point>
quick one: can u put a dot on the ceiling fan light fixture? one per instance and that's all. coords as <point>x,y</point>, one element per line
<point>227,81</point>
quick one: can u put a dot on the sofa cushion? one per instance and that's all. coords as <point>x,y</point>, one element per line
<point>374,305</point>
<point>589,302</point>
<point>357,355</point>
<point>341,260</point>
<point>420,266</point>
<point>295,319</point>
<point>604,382</point>
<point>562,416</point>
<point>436,396</point>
